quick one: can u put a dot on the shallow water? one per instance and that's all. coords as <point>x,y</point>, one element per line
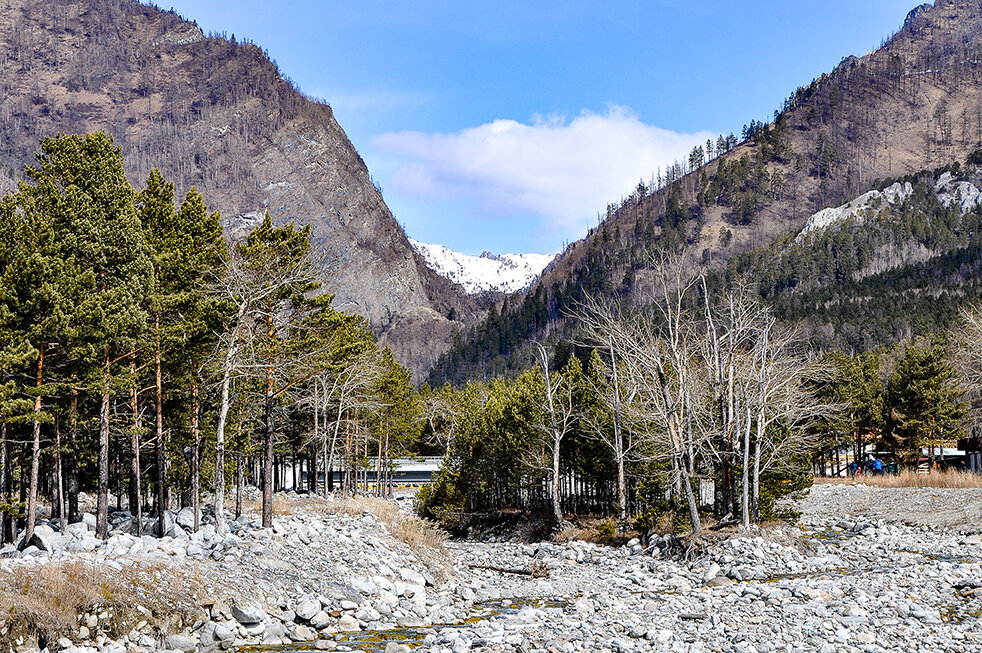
<point>374,641</point>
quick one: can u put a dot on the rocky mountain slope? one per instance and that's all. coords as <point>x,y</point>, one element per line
<point>485,273</point>
<point>217,114</point>
<point>911,105</point>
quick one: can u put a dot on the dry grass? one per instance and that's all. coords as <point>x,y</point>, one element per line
<point>909,478</point>
<point>385,511</point>
<point>418,532</point>
<point>282,507</point>
<point>42,603</point>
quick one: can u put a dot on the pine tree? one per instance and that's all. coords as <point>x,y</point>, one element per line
<point>922,400</point>
<point>80,182</point>
<point>187,245</point>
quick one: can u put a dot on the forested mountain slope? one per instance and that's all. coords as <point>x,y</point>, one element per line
<point>914,104</point>
<point>217,114</point>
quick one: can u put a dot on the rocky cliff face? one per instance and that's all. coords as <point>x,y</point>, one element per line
<point>218,115</point>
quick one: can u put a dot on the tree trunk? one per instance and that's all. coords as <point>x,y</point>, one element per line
<point>136,491</point>
<point>102,500</point>
<point>195,451</point>
<point>745,477</point>
<point>316,438</point>
<point>223,406</point>
<point>59,471</point>
<point>161,462</point>
<point>72,473</point>
<point>4,489</point>
<point>557,510</point>
<point>618,441</point>
<point>268,403</point>
<point>239,473</point>
<point>32,497</point>
<point>691,500</point>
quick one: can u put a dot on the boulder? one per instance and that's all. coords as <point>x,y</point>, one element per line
<point>44,538</point>
<point>307,608</point>
<point>185,518</point>
<point>168,524</point>
<point>180,643</point>
<point>364,585</point>
<point>76,528</point>
<point>213,635</point>
<point>349,623</point>
<point>395,647</point>
<point>301,633</point>
<point>248,614</point>
<point>320,620</point>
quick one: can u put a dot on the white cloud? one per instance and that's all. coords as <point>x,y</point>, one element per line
<point>563,170</point>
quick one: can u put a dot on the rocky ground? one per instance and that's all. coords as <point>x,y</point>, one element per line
<point>865,569</point>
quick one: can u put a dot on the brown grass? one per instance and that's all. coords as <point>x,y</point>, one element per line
<point>281,505</point>
<point>386,511</point>
<point>910,478</point>
<point>42,603</point>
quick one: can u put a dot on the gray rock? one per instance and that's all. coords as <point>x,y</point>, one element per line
<point>301,633</point>
<point>185,518</point>
<point>248,614</point>
<point>180,643</point>
<point>151,527</point>
<point>307,608</point>
<point>349,623</point>
<point>394,647</point>
<point>320,620</point>
<point>44,538</point>
<point>77,527</point>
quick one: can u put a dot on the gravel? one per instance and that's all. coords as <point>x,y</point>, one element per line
<point>864,570</point>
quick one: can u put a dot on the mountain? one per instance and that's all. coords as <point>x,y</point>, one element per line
<point>905,110</point>
<point>216,113</point>
<point>506,273</point>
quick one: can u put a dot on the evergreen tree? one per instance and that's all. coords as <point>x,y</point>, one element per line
<point>80,184</point>
<point>922,400</point>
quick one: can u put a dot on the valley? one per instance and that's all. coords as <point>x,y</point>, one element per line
<point>741,414</point>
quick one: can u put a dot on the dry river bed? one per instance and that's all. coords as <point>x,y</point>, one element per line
<point>865,569</point>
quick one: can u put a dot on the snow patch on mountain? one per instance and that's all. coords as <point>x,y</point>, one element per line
<point>487,272</point>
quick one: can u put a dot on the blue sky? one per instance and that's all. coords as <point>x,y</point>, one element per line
<point>508,125</point>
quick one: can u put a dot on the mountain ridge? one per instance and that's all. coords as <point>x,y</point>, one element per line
<point>913,104</point>
<point>494,273</point>
<point>218,114</point>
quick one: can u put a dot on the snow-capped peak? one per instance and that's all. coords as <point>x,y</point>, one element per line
<point>487,272</point>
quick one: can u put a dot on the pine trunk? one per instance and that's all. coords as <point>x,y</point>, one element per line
<point>72,472</point>
<point>32,497</point>
<point>4,488</point>
<point>59,479</point>
<point>102,500</point>
<point>195,453</point>
<point>161,461</point>
<point>270,442</point>
<point>136,493</point>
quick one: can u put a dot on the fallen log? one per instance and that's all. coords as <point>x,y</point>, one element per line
<point>536,570</point>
